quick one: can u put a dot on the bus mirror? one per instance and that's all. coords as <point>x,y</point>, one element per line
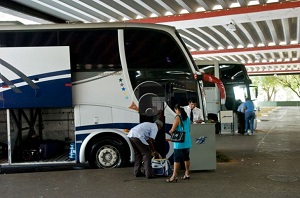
<point>198,76</point>
<point>218,82</point>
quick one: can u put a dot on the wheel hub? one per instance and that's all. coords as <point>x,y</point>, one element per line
<point>108,157</point>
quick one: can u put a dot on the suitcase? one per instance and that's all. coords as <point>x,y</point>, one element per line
<point>51,148</point>
<point>30,155</point>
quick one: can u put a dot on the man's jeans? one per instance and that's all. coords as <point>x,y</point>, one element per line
<point>249,121</point>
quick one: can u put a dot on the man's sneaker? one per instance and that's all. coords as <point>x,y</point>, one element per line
<point>140,174</point>
<point>250,134</point>
<point>245,133</point>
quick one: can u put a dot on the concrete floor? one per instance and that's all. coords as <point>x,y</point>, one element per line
<point>264,165</point>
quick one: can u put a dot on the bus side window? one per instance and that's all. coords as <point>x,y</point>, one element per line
<point>28,39</point>
<point>91,49</point>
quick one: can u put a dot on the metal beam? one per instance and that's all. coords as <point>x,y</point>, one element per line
<point>239,15</point>
<point>267,49</point>
<point>29,11</point>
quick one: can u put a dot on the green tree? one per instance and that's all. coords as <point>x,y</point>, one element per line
<point>268,84</point>
<point>291,81</point>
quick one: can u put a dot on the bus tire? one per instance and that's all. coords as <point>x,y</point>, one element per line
<point>107,154</point>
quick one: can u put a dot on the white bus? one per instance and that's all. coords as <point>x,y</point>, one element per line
<point>71,92</point>
<point>237,86</point>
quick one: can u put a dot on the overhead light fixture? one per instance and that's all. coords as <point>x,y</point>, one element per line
<point>217,7</point>
<point>184,11</point>
<point>235,5</point>
<point>153,15</point>
<point>168,13</point>
<point>260,45</point>
<point>257,56</point>
<point>231,27</point>
<point>200,9</point>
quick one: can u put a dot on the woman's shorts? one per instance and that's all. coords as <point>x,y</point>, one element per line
<point>181,154</point>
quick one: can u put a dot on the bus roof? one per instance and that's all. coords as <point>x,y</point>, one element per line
<point>86,26</point>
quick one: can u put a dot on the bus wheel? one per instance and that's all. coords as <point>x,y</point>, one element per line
<point>106,154</point>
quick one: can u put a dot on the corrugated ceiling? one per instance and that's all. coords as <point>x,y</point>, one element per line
<point>262,34</point>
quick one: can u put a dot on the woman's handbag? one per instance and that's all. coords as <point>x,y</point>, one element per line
<point>161,167</point>
<point>178,136</point>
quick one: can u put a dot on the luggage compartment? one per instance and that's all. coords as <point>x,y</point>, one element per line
<point>36,136</point>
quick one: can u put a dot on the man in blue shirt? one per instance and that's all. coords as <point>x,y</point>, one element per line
<point>142,140</point>
<point>249,116</point>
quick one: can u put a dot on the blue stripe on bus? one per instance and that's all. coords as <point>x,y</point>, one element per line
<point>51,94</point>
<point>44,75</point>
<point>114,125</point>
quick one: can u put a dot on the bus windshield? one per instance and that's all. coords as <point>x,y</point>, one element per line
<point>154,56</point>
<point>229,72</point>
<point>164,63</point>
